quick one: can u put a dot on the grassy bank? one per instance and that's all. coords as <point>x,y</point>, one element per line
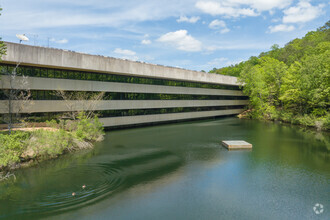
<point>21,147</point>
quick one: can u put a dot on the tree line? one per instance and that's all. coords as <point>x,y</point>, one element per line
<point>290,84</point>
<point>2,45</point>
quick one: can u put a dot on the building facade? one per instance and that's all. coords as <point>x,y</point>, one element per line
<point>135,93</point>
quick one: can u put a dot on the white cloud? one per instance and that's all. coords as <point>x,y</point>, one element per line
<point>233,62</point>
<point>237,45</point>
<point>146,42</point>
<point>303,12</point>
<point>107,13</point>
<point>62,41</point>
<point>131,55</point>
<point>216,24</point>
<point>237,8</point>
<point>181,40</point>
<point>61,13</point>
<point>224,30</point>
<point>148,58</point>
<point>274,20</point>
<point>227,10</point>
<point>281,28</point>
<point>124,52</point>
<point>186,19</point>
<point>217,61</point>
<point>219,25</point>
<point>262,5</point>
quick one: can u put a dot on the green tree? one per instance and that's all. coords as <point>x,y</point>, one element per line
<point>307,85</point>
<point>2,45</point>
<point>290,83</point>
<point>263,84</point>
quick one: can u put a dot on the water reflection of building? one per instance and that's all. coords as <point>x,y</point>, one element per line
<point>135,92</point>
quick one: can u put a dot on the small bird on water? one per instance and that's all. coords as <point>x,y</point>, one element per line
<point>73,194</point>
<point>84,186</point>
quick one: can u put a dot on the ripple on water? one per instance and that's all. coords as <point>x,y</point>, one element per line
<point>101,180</point>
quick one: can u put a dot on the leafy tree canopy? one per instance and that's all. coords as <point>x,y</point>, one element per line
<point>292,83</point>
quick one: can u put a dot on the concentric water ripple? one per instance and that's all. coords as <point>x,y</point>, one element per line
<point>100,179</point>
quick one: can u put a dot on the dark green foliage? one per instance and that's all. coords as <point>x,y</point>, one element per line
<point>88,129</point>
<point>83,129</point>
<point>11,147</point>
<point>233,70</point>
<point>2,48</point>
<point>43,144</point>
<point>264,86</point>
<point>48,144</point>
<point>67,136</point>
<point>292,83</point>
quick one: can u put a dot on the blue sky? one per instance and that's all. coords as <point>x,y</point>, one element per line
<point>191,34</point>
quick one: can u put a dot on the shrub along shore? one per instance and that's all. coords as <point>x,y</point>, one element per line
<point>24,147</point>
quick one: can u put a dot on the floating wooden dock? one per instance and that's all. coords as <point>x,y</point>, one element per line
<point>237,145</point>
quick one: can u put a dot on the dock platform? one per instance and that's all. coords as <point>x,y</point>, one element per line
<point>237,145</point>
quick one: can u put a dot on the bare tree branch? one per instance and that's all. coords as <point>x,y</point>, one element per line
<point>85,100</point>
<point>19,91</point>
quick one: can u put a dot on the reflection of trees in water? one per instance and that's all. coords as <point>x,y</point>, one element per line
<point>140,156</point>
<point>190,140</point>
<point>320,138</point>
<point>319,146</point>
<point>292,145</point>
<point>207,153</point>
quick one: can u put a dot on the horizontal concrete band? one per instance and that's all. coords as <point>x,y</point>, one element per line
<point>63,106</point>
<point>141,119</point>
<point>62,59</point>
<point>35,83</point>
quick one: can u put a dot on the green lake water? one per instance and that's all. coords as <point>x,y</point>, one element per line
<point>181,171</point>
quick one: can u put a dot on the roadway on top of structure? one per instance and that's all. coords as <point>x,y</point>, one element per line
<point>63,59</point>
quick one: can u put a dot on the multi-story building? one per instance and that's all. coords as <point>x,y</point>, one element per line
<point>135,92</point>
